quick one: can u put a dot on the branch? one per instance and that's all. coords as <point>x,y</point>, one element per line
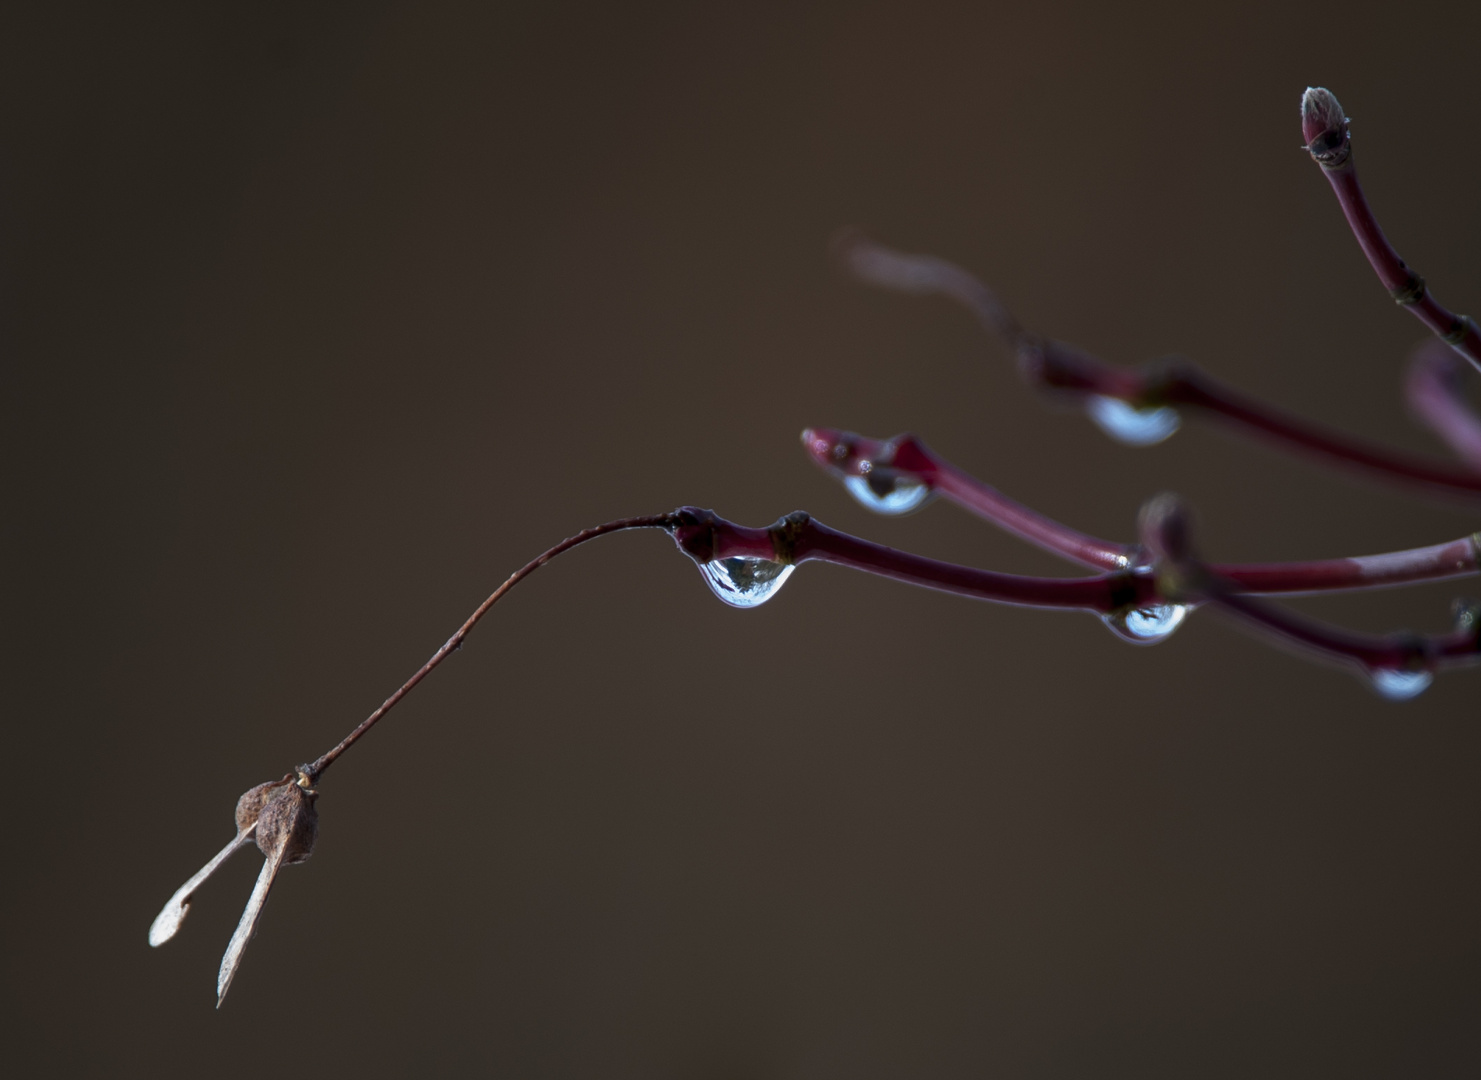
<point>884,468</point>
<point>452,644</point>
<point>1138,406</point>
<point>1434,394</point>
<point>908,462</point>
<point>745,566</point>
<point>925,275</point>
<point>1399,666</point>
<point>709,539</point>
<point>1329,141</point>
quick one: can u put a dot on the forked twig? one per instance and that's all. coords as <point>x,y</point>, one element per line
<point>1399,665</point>
<point>875,470</point>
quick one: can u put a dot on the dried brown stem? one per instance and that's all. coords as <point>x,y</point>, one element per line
<point>452,644</point>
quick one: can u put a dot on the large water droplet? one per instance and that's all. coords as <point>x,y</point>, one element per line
<point>1146,625</point>
<point>1400,684</point>
<point>887,492</point>
<point>1131,425</point>
<point>745,581</point>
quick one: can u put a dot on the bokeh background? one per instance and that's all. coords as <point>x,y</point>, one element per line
<point>320,320</point>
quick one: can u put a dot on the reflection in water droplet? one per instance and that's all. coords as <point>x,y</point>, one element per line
<point>1128,424</point>
<point>745,581</point>
<point>1146,625</point>
<point>1401,685</point>
<point>887,493</point>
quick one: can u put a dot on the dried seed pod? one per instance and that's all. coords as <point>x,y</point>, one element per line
<point>252,801</point>
<point>288,823</point>
<point>167,923</point>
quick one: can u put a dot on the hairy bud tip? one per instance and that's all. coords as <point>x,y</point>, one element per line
<point>1324,127</point>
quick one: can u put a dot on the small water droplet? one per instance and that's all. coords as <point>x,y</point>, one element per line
<point>1400,684</point>
<point>887,492</point>
<point>745,581</point>
<point>1131,425</point>
<point>1146,625</point>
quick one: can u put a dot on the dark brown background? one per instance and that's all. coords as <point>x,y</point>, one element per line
<point>317,325</point>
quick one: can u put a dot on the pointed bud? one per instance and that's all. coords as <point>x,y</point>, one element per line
<point>1324,127</point>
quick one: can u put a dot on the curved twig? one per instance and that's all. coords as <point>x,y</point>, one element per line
<point>1329,141</point>
<point>1433,391</point>
<point>1055,365</point>
<point>905,458</point>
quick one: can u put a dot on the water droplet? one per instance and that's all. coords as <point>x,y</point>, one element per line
<point>1146,625</point>
<point>887,492</point>
<point>1401,684</point>
<point>1128,424</point>
<point>745,581</point>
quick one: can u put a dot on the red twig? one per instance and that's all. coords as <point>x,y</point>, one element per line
<point>1434,394</point>
<point>706,537</point>
<point>1400,665</point>
<point>1144,589</point>
<point>847,454</point>
<point>1329,141</point>
<point>926,275</point>
<point>906,457</point>
<point>1394,652</point>
<point>1057,366</point>
<point>796,538</point>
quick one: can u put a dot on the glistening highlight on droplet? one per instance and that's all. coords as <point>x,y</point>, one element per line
<point>1146,625</point>
<point>745,581</point>
<point>1398,684</point>
<point>886,493</point>
<point>1131,425</point>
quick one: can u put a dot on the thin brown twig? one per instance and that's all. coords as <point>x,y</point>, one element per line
<point>452,644</point>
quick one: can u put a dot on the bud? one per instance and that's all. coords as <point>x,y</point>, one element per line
<point>1324,127</point>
